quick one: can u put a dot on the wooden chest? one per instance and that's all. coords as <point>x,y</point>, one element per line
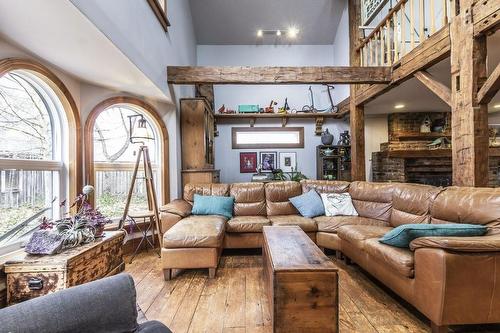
<point>302,282</point>
<point>35,275</point>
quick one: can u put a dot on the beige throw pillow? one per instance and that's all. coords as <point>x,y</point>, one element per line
<point>338,204</point>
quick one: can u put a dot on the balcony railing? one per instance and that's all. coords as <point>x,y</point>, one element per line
<point>404,27</point>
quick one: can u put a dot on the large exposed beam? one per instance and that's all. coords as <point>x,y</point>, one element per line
<point>490,87</point>
<point>277,75</point>
<point>434,85</point>
<point>357,113</point>
<point>468,118</point>
<point>486,16</point>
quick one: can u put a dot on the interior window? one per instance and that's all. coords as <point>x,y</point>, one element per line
<point>33,176</point>
<point>115,158</point>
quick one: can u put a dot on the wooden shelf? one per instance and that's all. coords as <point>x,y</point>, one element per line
<point>495,151</point>
<point>429,153</point>
<point>278,115</point>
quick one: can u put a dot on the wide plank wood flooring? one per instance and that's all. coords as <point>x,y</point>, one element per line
<point>235,301</point>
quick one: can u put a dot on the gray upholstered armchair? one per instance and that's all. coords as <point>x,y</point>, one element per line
<point>106,305</point>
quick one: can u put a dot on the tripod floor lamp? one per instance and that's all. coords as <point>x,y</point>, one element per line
<point>139,134</point>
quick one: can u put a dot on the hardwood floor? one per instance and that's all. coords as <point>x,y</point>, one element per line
<point>235,301</point>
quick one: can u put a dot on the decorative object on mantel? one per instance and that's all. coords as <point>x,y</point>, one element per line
<point>440,143</point>
<point>327,138</point>
<point>344,139</point>
<point>248,162</point>
<point>285,108</point>
<point>425,127</point>
<point>71,231</point>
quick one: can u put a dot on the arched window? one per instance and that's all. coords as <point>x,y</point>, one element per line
<point>33,153</point>
<point>113,157</point>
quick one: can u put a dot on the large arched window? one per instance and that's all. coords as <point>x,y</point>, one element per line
<point>113,157</point>
<point>35,143</point>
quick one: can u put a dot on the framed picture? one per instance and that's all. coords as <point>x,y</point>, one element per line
<point>268,160</point>
<point>248,162</point>
<point>288,161</point>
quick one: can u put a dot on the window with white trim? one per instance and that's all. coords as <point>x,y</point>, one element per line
<point>33,154</point>
<point>115,158</point>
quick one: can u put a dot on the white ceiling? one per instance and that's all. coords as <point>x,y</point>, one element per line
<point>237,21</point>
<point>418,98</point>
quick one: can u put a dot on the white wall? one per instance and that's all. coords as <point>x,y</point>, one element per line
<point>376,132</point>
<point>226,158</point>
<point>341,51</point>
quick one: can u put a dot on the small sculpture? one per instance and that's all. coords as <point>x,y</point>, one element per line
<point>270,108</point>
<point>345,139</point>
<point>326,138</point>
<point>426,125</point>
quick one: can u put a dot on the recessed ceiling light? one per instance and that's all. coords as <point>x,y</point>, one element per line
<point>292,32</point>
<point>399,106</point>
<point>260,33</point>
<point>278,32</point>
<point>496,106</point>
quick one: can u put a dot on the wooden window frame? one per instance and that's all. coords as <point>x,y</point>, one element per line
<point>236,145</point>
<point>160,12</point>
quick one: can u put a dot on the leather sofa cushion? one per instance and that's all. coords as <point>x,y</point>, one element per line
<point>277,195</point>
<point>358,234</point>
<point>468,205</point>
<point>490,243</point>
<point>196,231</point>
<point>249,199</point>
<point>401,260</point>
<point>247,224</point>
<point>178,207</point>
<point>411,203</point>
<point>305,223</point>
<point>332,223</point>
<point>324,186</point>
<point>373,200</point>
<point>204,189</point>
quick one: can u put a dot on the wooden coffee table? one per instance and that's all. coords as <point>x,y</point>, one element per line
<point>301,281</point>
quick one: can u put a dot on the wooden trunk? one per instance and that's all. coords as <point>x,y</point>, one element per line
<point>35,275</point>
<point>302,283</point>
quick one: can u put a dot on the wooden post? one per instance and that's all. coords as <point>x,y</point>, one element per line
<point>357,114</point>
<point>469,118</point>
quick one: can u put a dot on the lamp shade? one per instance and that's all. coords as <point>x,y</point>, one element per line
<point>140,132</point>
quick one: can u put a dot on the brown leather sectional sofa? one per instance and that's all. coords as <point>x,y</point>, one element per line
<point>452,280</point>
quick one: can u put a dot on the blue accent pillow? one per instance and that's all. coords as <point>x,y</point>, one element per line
<point>309,204</point>
<point>213,205</point>
<point>403,235</point>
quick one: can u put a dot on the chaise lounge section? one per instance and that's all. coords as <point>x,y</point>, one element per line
<point>440,276</point>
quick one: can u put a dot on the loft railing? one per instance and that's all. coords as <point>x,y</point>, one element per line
<point>406,25</point>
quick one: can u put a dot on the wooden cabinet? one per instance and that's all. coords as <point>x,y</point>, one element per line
<point>333,162</point>
<point>197,137</point>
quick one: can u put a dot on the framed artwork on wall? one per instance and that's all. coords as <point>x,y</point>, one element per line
<point>268,160</point>
<point>248,162</point>
<point>288,161</point>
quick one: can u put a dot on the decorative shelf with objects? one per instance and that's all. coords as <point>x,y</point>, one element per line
<point>401,136</point>
<point>333,162</point>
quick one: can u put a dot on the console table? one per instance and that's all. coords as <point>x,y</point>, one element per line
<point>302,282</point>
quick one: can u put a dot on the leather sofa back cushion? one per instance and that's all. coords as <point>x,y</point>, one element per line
<point>205,189</point>
<point>249,199</point>
<point>373,200</point>
<point>277,195</point>
<point>468,205</point>
<point>324,186</point>
<point>411,203</point>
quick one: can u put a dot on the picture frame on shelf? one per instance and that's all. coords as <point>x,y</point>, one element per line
<point>248,162</point>
<point>288,161</point>
<point>268,160</point>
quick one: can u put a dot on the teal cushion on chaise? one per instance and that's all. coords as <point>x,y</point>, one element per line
<point>213,205</point>
<point>403,235</point>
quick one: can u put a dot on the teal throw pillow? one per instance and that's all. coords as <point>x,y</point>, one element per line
<point>213,205</point>
<point>404,234</point>
<point>309,204</point>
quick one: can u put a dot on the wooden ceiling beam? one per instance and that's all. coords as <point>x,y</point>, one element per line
<point>490,87</point>
<point>277,75</point>
<point>434,85</point>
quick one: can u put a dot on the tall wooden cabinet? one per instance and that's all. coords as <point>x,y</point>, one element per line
<point>197,137</point>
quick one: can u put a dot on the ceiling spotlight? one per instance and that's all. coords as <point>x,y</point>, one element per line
<point>399,106</point>
<point>292,32</point>
<point>278,32</point>
<point>496,106</point>
<point>260,33</point>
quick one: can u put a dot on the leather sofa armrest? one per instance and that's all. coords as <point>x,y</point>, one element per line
<point>178,207</point>
<point>488,243</point>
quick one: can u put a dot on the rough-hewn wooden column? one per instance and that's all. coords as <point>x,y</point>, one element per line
<point>357,113</point>
<point>469,118</point>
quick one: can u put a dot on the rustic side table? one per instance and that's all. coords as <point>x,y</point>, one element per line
<point>36,275</point>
